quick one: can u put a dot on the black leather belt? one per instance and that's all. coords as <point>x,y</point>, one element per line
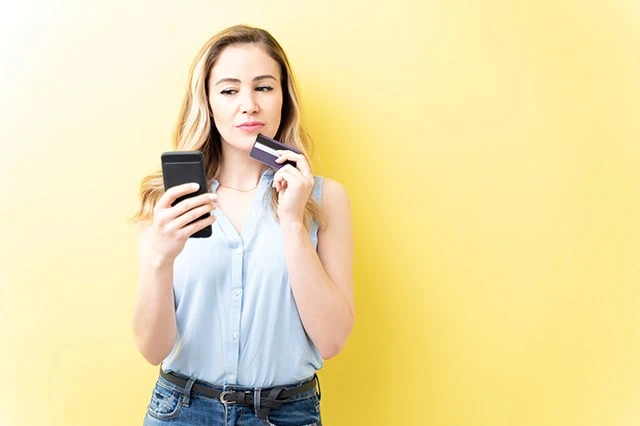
<point>269,397</point>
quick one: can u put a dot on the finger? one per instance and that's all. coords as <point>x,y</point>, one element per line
<point>294,177</point>
<point>288,172</point>
<point>278,179</point>
<point>193,214</point>
<point>301,162</point>
<point>176,192</point>
<point>189,230</point>
<point>191,203</point>
<point>284,155</point>
<point>279,183</point>
<point>291,174</point>
<point>286,169</point>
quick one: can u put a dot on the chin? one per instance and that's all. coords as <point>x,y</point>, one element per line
<point>241,143</point>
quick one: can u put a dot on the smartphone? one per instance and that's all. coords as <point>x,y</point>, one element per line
<point>264,150</point>
<point>180,167</point>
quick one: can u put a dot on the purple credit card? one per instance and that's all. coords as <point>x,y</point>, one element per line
<point>264,150</point>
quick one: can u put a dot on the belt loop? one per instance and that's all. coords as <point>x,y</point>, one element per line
<point>319,391</point>
<point>187,392</point>
<point>256,400</point>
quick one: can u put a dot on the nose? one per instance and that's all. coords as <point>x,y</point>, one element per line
<point>248,102</point>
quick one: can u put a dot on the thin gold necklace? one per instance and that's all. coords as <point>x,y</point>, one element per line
<point>237,189</point>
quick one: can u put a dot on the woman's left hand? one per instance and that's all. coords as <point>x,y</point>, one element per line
<point>294,186</point>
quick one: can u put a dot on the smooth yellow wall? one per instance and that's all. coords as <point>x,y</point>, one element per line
<point>491,150</point>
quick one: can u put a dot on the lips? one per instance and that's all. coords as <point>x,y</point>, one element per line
<point>251,125</point>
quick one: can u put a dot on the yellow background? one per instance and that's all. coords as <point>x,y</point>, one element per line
<point>491,150</point>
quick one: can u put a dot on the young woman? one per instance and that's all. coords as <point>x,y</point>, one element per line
<point>241,321</point>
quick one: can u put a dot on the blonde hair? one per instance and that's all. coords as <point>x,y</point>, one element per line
<point>196,131</point>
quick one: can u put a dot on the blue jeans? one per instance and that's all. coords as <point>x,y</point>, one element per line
<point>170,405</point>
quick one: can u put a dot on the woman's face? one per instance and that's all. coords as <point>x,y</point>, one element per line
<point>245,95</point>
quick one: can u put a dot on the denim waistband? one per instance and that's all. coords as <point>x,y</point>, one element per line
<point>263,399</point>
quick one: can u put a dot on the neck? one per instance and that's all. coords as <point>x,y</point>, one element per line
<point>238,170</point>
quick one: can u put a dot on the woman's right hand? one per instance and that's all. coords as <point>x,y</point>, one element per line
<point>172,225</point>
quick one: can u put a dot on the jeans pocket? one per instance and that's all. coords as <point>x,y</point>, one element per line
<point>165,402</point>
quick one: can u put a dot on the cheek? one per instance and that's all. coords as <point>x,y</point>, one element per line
<point>276,106</point>
<point>219,111</point>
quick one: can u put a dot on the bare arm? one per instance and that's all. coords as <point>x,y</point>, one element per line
<point>160,242</point>
<point>322,281</point>
<point>154,320</point>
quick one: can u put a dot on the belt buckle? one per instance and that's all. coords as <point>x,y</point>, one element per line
<point>224,401</point>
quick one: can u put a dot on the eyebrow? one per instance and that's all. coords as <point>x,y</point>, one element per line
<point>235,80</point>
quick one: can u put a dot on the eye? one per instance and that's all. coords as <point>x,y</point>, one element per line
<point>264,88</point>
<point>229,92</point>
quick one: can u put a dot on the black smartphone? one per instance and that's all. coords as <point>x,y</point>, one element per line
<point>180,167</point>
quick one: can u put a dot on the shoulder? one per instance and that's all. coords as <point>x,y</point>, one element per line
<point>328,191</point>
<point>334,192</point>
<point>335,201</point>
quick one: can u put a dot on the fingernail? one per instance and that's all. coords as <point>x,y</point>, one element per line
<point>212,196</point>
<point>195,186</point>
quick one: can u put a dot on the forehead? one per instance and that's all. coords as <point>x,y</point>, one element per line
<point>244,61</point>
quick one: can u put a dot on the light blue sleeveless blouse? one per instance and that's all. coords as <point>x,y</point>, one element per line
<point>237,320</point>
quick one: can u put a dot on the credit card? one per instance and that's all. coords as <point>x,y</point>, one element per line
<point>264,150</point>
